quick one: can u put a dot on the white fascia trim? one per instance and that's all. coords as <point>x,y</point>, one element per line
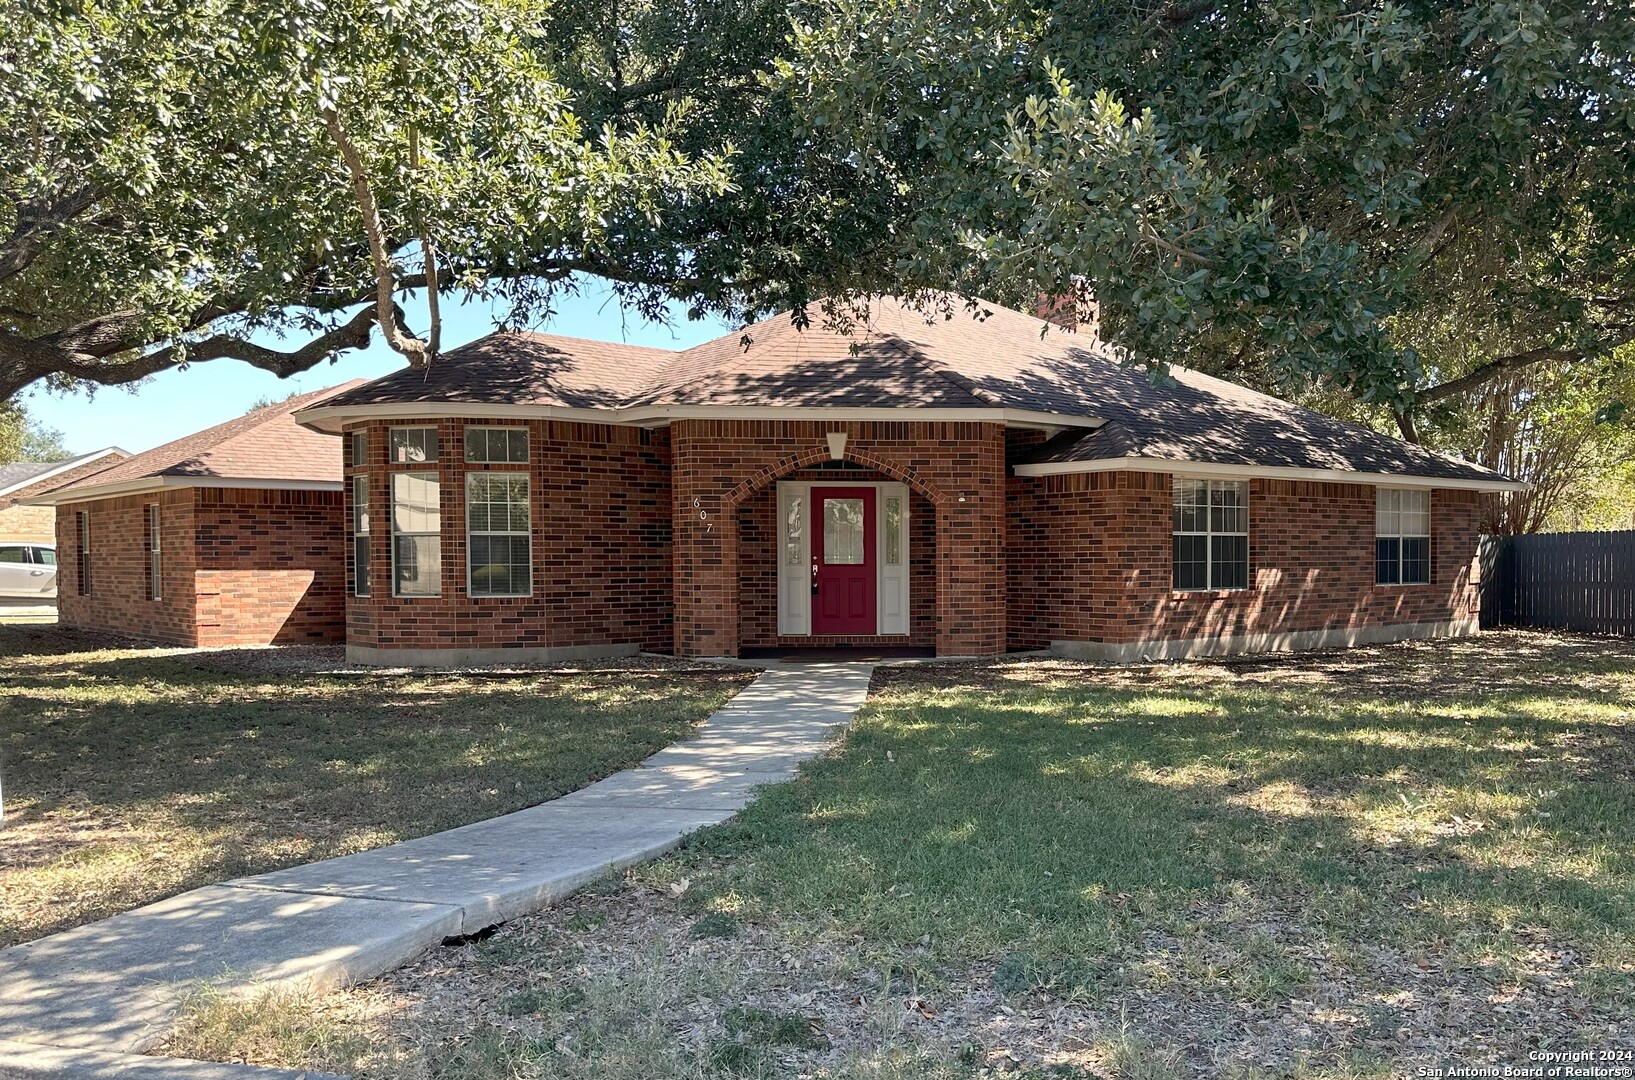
<point>331,418</point>
<point>1251,472</point>
<point>92,493</point>
<point>66,466</point>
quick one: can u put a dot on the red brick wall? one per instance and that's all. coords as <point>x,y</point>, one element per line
<point>959,468</point>
<point>1028,607</point>
<point>270,566</point>
<point>1093,552</point>
<point>118,601</point>
<point>601,545</point>
<point>240,567</point>
<point>758,569</point>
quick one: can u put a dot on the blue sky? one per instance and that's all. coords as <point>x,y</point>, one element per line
<point>177,403</point>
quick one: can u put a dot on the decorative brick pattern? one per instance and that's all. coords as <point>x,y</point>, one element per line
<point>957,470</point>
<point>600,509</point>
<point>1090,560</point>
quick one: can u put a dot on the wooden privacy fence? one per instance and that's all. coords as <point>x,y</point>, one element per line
<point>1563,581</point>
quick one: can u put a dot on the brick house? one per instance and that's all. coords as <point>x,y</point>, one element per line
<point>26,522</point>
<point>964,485</point>
<point>231,536</point>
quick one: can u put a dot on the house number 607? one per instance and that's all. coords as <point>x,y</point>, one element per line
<point>703,515</point>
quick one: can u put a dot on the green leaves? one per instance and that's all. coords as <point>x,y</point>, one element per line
<point>177,157</point>
<point>1277,189</point>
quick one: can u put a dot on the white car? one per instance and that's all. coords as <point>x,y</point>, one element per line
<point>28,570</point>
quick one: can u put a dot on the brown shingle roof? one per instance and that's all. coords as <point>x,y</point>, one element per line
<point>898,357</point>
<point>266,444</point>
<point>522,369</point>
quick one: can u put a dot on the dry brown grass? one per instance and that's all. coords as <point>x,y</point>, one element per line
<point>1344,865</point>
<point>135,773</point>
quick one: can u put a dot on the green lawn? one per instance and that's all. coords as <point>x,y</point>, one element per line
<point>132,774</point>
<point>1345,865</point>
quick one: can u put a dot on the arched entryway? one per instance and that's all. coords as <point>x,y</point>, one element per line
<point>781,539</point>
<point>951,477</point>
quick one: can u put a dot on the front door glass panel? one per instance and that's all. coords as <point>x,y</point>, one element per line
<point>843,532</point>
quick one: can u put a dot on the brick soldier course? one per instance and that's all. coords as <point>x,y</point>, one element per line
<point>665,505</point>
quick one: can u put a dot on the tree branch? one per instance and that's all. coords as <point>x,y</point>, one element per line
<point>407,344</point>
<point>37,220</point>
<point>22,360</point>
<point>1474,379</point>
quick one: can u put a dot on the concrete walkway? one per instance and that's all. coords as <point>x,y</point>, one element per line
<point>112,986</point>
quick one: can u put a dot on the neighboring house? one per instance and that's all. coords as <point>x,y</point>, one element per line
<point>22,480</point>
<point>964,485</point>
<point>232,536</point>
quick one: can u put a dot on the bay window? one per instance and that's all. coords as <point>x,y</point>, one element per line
<point>498,542</point>
<point>417,526</point>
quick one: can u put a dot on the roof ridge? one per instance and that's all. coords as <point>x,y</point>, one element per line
<point>954,377</point>
<point>540,335</point>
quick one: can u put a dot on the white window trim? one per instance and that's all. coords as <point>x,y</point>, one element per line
<point>437,439</point>
<point>528,533</point>
<point>82,557</point>
<point>156,581</point>
<point>391,509</point>
<point>893,600</point>
<point>361,481</point>
<point>527,444</point>
<point>1209,533</point>
<point>1399,536</point>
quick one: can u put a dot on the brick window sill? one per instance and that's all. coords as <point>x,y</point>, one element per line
<point>1207,594</point>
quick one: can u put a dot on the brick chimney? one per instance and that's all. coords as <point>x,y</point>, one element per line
<point>1060,309</point>
<point>1075,310</point>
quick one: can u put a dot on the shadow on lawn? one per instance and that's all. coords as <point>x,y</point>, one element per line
<point>129,777</point>
<point>1106,827</point>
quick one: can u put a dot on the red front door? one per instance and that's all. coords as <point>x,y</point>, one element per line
<point>843,574</point>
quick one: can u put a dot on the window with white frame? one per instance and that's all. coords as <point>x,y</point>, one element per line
<point>1211,534</point>
<point>893,514</point>
<point>82,566</point>
<point>1402,536</point>
<point>155,586</point>
<point>360,536</point>
<point>413,445</point>
<point>357,448</point>
<point>497,445</point>
<point>417,525</point>
<point>498,543</point>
